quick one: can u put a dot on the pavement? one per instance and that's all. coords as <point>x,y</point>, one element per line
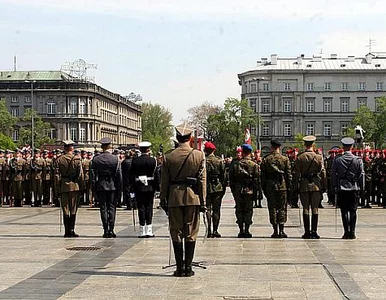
<point>36,262</point>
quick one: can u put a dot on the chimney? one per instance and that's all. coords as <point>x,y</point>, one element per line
<point>369,58</point>
<point>351,58</point>
<point>264,61</point>
<point>273,59</point>
<point>334,56</point>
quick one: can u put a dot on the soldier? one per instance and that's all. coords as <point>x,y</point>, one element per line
<point>56,178</point>
<point>2,169</point>
<point>6,177</point>
<point>367,166</point>
<point>293,197</point>
<point>127,189</point>
<point>381,171</point>
<point>276,183</point>
<point>183,193</point>
<point>330,191</point>
<point>107,182</point>
<point>17,168</point>
<point>375,179</point>
<point>214,188</point>
<point>347,177</point>
<point>243,178</point>
<point>37,169</point>
<point>27,184</point>
<point>86,175</point>
<point>310,181</point>
<point>144,181</point>
<point>47,178</point>
<point>70,170</point>
<point>257,201</point>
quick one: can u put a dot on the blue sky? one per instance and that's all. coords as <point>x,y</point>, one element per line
<point>181,53</point>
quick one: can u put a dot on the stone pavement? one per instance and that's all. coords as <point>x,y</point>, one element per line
<point>35,262</point>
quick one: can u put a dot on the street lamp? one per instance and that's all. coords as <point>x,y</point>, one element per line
<point>32,116</point>
<point>258,110</point>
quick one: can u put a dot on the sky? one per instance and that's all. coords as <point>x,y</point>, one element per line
<point>181,53</point>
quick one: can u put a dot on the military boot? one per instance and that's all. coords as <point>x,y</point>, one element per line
<point>306,222</point>
<point>247,234</point>
<point>66,222</point>
<point>353,221</point>
<point>241,233</point>
<point>189,253</point>
<point>275,233</point>
<point>178,255</point>
<point>106,233</point>
<point>314,226</point>
<point>215,233</point>
<point>282,234</point>
<point>72,226</point>
<point>346,234</point>
<point>111,231</point>
<point>209,221</point>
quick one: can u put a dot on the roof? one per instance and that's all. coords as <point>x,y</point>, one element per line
<point>34,76</point>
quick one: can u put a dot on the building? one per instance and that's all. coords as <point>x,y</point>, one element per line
<point>76,109</point>
<point>313,96</point>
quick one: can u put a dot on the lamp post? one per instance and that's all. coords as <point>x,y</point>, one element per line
<point>32,116</point>
<point>258,111</point>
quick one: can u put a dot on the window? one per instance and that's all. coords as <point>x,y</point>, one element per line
<point>73,107</point>
<point>265,104</point>
<point>343,128</point>
<point>82,107</point>
<point>51,108</point>
<point>327,86</point>
<point>15,135</point>
<point>327,129</point>
<point>310,129</point>
<point>287,86</point>
<point>287,106</point>
<point>287,129</point>
<point>310,105</point>
<point>379,86</point>
<point>73,133</point>
<point>27,99</point>
<point>362,102</point>
<point>344,104</point>
<point>82,133</point>
<point>327,104</point>
<point>253,131</point>
<point>15,112</point>
<point>14,99</point>
<point>362,86</point>
<point>265,130</point>
<point>344,86</point>
<point>52,133</point>
<point>265,86</point>
<point>310,86</point>
<point>253,88</point>
<point>377,105</point>
<point>252,104</point>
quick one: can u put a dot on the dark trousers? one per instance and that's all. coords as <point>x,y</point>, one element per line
<point>46,191</point>
<point>108,206</point>
<point>145,202</point>
<point>348,203</point>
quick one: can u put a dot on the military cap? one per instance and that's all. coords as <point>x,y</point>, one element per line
<point>106,141</point>
<point>309,138</point>
<point>116,151</point>
<point>45,151</point>
<point>247,147</point>
<point>17,150</point>
<point>238,149</point>
<point>275,143</point>
<point>83,151</point>
<point>144,144</point>
<point>6,151</point>
<point>68,143</point>
<point>36,150</point>
<point>76,151</point>
<point>209,146</point>
<point>347,141</point>
<point>89,153</point>
<point>183,130</point>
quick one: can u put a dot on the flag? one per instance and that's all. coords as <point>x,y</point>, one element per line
<point>247,138</point>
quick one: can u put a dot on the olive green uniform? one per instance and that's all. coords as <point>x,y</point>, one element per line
<point>17,166</point>
<point>37,167</point>
<point>47,181</point>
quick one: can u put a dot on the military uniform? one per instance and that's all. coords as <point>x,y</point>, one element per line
<point>27,184</point>
<point>37,169</point>
<point>310,181</point>
<point>87,183</point>
<point>127,199</point>
<point>276,183</point>
<point>47,178</point>
<point>107,181</point>
<point>6,178</point>
<point>366,194</point>
<point>2,164</point>
<point>381,172</point>
<point>243,178</point>
<point>70,170</point>
<point>347,177</point>
<point>215,185</point>
<point>183,193</point>
<point>17,168</point>
<point>56,179</point>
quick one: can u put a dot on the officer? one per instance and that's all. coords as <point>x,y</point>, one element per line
<point>71,174</point>
<point>37,169</point>
<point>27,184</point>
<point>17,165</point>
<point>143,179</point>
<point>2,169</point>
<point>243,177</point>
<point>276,182</point>
<point>348,178</point>
<point>6,176</point>
<point>107,182</point>
<point>86,174</point>
<point>367,166</point>
<point>47,178</point>
<point>214,188</point>
<point>310,181</point>
<point>126,190</point>
<point>183,193</point>
<point>330,191</point>
<point>258,160</point>
<point>56,177</point>
<point>381,172</point>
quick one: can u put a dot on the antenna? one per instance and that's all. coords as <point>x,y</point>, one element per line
<point>371,43</point>
<point>78,69</point>
<point>14,63</point>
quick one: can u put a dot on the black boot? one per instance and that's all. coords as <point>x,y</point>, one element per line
<point>189,253</point>
<point>306,222</point>
<point>344,215</point>
<point>106,231</point>
<point>241,233</point>
<point>209,220</point>
<point>72,226</point>
<point>314,226</point>
<point>275,233</point>
<point>353,221</point>
<point>178,255</point>
<point>247,234</point>
<point>282,234</point>
<point>67,230</point>
<point>111,231</point>
<point>216,234</point>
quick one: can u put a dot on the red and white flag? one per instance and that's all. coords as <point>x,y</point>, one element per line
<point>247,138</point>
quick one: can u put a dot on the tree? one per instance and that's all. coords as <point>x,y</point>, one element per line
<point>157,126</point>
<point>41,129</point>
<point>6,142</point>
<point>199,115</point>
<point>7,121</point>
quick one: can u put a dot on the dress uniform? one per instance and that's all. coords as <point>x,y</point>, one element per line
<point>86,174</point>
<point>310,181</point>
<point>37,169</point>
<point>47,178</point>
<point>144,180</point>
<point>381,172</point>
<point>27,184</point>
<point>17,167</point>
<point>2,169</point>
<point>6,177</point>
<point>215,185</point>
<point>367,166</point>
<point>56,178</point>
<point>243,177</point>
<point>107,182</point>
<point>276,182</point>
<point>348,178</point>
<point>183,193</point>
<point>70,170</point>
<point>126,189</point>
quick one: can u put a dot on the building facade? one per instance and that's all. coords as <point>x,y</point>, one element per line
<point>312,96</point>
<point>78,110</point>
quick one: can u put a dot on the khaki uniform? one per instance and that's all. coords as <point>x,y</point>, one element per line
<point>37,166</point>
<point>17,176</point>
<point>87,182</point>
<point>55,182</point>
<point>6,180</point>
<point>47,181</point>
<point>27,185</point>
<point>2,169</point>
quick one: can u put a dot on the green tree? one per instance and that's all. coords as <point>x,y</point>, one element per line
<point>199,115</point>
<point>7,122</point>
<point>41,129</point>
<point>299,143</point>
<point>6,142</point>
<point>157,126</point>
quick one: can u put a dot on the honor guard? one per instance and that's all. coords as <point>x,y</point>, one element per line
<point>6,177</point>
<point>144,181</point>
<point>276,182</point>
<point>47,178</point>
<point>367,166</point>
<point>27,184</point>
<point>56,178</point>
<point>127,189</point>
<point>71,174</point>
<point>183,193</point>
<point>17,167</point>
<point>348,179</point>
<point>310,182</point>
<point>107,182</point>
<point>2,169</point>
<point>37,169</point>
<point>215,185</point>
<point>86,174</point>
